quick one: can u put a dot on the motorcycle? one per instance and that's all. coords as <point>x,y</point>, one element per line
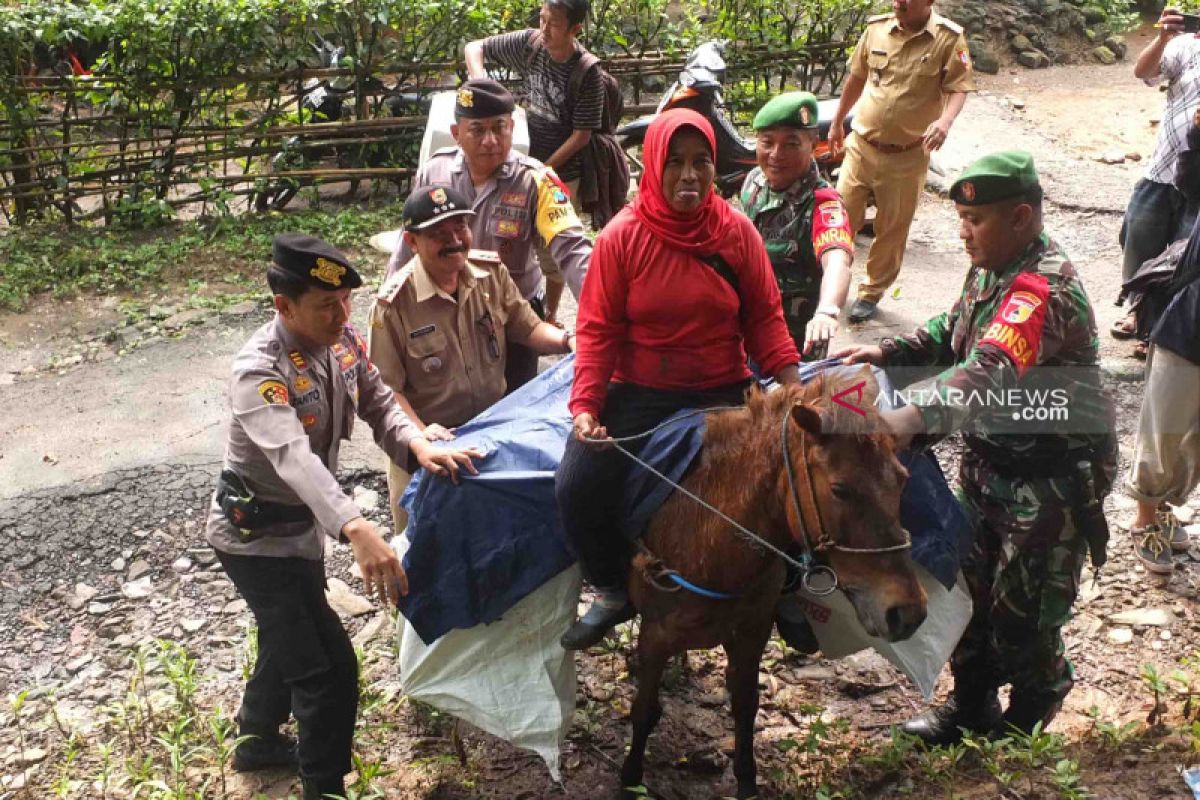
<point>699,88</point>
<point>331,100</point>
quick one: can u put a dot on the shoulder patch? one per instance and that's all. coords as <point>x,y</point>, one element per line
<point>488,258</point>
<point>392,286</point>
<point>273,392</point>
<point>1017,327</point>
<point>826,194</point>
<point>950,25</point>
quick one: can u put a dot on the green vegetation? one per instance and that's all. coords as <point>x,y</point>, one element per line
<point>230,249</point>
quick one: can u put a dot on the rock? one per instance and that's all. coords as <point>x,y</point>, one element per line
<point>983,58</point>
<point>77,664</point>
<point>118,564</point>
<point>1093,15</point>
<point>192,625</point>
<point>365,499</point>
<point>84,593</point>
<point>1103,55</point>
<point>34,755</point>
<point>1017,103</point>
<point>369,631</point>
<point>1020,43</point>
<point>138,589</point>
<point>1033,59</point>
<point>98,609</point>
<point>1117,45</point>
<point>242,308</point>
<point>138,568</point>
<point>1185,514</point>
<point>184,318</point>
<point>1112,157</point>
<point>1120,636</point>
<point>344,601</point>
<point>1159,616</point>
<point>181,564</point>
<point>234,607</point>
<point>1135,157</point>
<point>709,761</point>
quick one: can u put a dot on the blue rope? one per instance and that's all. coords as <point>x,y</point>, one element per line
<point>700,590</point>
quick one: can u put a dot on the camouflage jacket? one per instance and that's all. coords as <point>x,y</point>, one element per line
<point>1021,377</point>
<point>795,240</point>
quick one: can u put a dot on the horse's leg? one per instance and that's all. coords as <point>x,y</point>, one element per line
<point>652,659</point>
<point>743,654</point>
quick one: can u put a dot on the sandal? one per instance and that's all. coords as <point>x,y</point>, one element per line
<point>1125,328</point>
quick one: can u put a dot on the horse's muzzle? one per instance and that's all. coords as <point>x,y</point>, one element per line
<point>903,620</point>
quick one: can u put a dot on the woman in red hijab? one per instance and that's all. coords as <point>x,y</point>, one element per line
<point>679,291</point>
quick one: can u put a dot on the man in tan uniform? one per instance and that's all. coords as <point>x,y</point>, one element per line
<point>518,203</point>
<point>441,326</point>
<point>912,70</point>
<point>297,386</point>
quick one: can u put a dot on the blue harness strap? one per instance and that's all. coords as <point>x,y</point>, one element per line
<point>700,590</point>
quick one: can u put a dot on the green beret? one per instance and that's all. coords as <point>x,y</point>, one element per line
<point>794,109</point>
<point>996,177</point>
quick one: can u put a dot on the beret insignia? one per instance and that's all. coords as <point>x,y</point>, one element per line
<point>328,272</point>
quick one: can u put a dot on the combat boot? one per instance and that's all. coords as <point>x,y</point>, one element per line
<point>976,710</point>
<point>270,751</point>
<point>324,788</point>
<point>1026,709</point>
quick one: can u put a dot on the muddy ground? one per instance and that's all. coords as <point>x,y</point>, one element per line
<point>114,432</point>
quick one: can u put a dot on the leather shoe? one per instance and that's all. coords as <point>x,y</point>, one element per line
<point>273,751</point>
<point>862,310</point>
<point>583,635</point>
<point>944,724</point>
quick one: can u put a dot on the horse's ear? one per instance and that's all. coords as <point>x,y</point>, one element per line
<point>807,417</point>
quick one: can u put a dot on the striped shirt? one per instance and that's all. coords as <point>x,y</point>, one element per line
<point>544,93</point>
<point>1180,68</point>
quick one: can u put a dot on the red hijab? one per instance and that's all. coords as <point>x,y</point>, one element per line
<point>700,233</point>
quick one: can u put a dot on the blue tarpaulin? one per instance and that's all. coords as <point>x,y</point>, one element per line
<point>480,547</point>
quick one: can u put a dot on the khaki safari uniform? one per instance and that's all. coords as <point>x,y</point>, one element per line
<point>292,407</point>
<point>446,354</point>
<point>907,75</point>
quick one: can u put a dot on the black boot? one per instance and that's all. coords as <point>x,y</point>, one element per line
<point>323,788</point>
<point>1026,708</point>
<point>592,627</point>
<point>269,751</point>
<point>977,710</point>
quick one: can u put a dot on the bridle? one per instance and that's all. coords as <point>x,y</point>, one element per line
<point>806,565</point>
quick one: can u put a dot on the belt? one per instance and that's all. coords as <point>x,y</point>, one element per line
<point>892,148</point>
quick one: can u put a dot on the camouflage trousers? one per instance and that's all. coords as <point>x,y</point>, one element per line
<point>1023,574</point>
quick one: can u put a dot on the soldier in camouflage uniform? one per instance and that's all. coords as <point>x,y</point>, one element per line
<point>1032,489</point>
<point>802,220</point>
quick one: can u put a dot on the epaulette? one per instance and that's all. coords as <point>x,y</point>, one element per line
<point>445,151</point>
<point>484,258</point>
<point>950,25</point>
<point>880,18</point>
<point>392,286</point>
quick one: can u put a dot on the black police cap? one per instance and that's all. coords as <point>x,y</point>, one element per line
<point>480,98</point>
<point>317,262</point>
<point>429,205</point>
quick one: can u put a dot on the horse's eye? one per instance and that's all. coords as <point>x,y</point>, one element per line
<point>842,492</point>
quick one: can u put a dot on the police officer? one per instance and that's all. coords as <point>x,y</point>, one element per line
<point>802,220</point>
<point>1020,339</point>
<point>442,326</point>
<point>517,202</point>
<point>912,70</point>
<point>297,385</point>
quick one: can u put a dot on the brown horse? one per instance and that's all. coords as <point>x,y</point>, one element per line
<point>846,498</point>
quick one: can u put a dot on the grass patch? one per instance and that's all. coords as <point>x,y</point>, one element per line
<point>64,261</point>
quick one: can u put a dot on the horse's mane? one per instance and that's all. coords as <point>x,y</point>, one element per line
<point>836,418</point>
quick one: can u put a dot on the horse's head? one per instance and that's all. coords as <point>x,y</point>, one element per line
<point>848,482</point>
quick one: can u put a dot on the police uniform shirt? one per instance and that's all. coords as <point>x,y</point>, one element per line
<point>524,199</point>
<point>907,74</point>
<point>292,405</point>
<point>446,354</point>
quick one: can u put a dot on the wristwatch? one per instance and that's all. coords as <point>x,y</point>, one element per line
<point>829,311</point>
<point>566,340</point>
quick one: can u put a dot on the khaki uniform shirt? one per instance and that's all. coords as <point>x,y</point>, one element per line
<point>446,354</point>
<point>292,407</point>
<point>907,74</point>
<point>522,201</point>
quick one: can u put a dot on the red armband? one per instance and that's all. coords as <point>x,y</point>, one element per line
<point>831,223</point>
<point>1017,327</point>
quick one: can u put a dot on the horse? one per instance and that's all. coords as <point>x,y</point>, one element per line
<point>833,493</point>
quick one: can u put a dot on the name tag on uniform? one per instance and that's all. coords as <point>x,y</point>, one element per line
<point>419,332</point>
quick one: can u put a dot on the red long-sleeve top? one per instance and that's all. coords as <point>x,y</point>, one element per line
<point>657,317</point>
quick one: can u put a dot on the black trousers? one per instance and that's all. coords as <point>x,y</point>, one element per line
<point>590,480</point>
<point>521,362</point>
<point>306,664</point>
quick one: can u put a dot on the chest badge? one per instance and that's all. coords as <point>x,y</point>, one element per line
<point>431,364</point>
